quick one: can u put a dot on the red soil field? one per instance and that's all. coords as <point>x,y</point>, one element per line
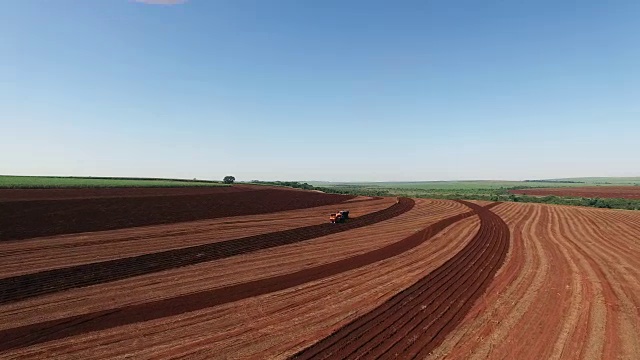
<point>570,288</point>
<point>84,248</point>
<point>197,301</point>
<point>92,193</point>
<point>32,284</point>
<point>415,321</point>
<point>614,192</point>
<point>34,218</point>
<point>326,252</point>
<point>442,279</point>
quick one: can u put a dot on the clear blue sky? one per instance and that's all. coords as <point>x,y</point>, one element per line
<point>321,90</point>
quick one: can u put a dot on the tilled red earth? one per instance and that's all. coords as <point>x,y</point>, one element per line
<point>412,323</point>
<point>416,320</point>
<point>427,283</point>
<point>59,329</point>
<point>36,218</point>
<point>51,281</point>
<point>613,192</point>
<point>91,193</point>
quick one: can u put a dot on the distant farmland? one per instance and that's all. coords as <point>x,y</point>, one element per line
<point>517,191</point>
<point>487,184</point>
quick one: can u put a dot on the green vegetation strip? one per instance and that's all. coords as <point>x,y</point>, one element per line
<point>470,190</point>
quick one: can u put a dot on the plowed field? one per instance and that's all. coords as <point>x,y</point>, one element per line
<point>570,288</point>
<point>614,192</point>
<point>66,214</point>
<point>403,278</point>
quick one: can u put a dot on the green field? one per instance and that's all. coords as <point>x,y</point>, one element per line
<point>487,190</point>
<point>45,182</point>
<point>449,189</point>
<point>486,184</point>
<point>449,185</point>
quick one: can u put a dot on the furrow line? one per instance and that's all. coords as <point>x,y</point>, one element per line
<point>46,282</point>
<point>441,315</point>
<point>63,328</point>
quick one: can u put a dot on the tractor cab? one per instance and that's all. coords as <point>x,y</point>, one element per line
<point>339,217</point>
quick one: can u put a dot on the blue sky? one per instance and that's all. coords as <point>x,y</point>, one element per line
<point>321,90</point>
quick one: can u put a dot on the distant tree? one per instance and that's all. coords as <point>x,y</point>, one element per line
<point>228,179</point>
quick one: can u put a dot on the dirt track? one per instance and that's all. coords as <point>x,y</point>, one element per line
<point>619,192</point>
<point>34,218</point>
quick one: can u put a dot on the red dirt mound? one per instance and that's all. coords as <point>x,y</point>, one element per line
<point>612,192</point>
<point>35,218</point>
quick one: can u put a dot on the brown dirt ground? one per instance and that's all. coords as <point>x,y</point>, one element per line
<point>51,281</point>
<point>238,269</point>
<point>93,193</point>
<point>570,289</point>
<point>415,321</point>
<point>75,249</point>
<point>39,218</point>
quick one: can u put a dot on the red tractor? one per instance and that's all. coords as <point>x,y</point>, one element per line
<point>339,217</point>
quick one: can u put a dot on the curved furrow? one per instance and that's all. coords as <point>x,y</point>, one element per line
<point>604,327</point>
<point>613,230</point>
<point>78,249</point>
<point>298,317</point>
<point>126,236</point>
<point>475,284</point>
<point>390,318</point>
<point>46,282</point>
<point>30,219</point>
<point>581,300</point>
<point>404,331</point>
<point>565,325</point>
<point>426,311</point>
<point>62,328</point>
<point>566,322</point>
<point>555,270</point>
<point>617,218</point>
<point>513,274</point>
